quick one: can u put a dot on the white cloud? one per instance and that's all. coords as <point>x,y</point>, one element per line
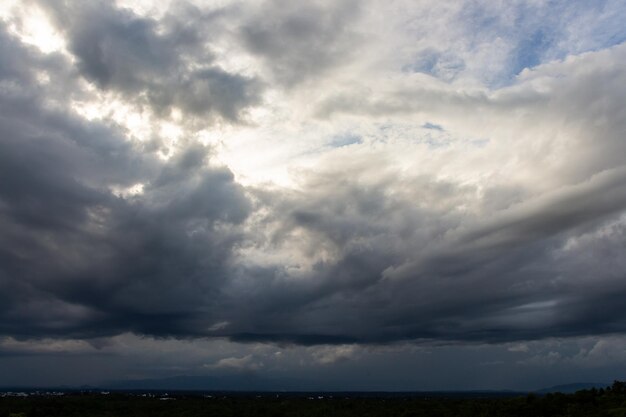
<point>327,355</point>
<point>245,363</point>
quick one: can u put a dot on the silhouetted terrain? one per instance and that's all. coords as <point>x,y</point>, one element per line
<point>609,402</point>
<point>571,388</point>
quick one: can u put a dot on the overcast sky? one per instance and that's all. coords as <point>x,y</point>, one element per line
<point>368,194</point>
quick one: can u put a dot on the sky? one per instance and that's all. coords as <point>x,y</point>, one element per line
<point>332,195</point>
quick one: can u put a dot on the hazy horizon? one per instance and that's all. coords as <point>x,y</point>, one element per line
<point>258,384</point>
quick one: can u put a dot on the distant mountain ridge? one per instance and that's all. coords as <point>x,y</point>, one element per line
<point>256,383</point>
<point>571,388</point>
<point>253,382</point>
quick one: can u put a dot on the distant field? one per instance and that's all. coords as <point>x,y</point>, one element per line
<point>588,403</point>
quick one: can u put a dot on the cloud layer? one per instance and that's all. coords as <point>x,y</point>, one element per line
<point>345,174</point>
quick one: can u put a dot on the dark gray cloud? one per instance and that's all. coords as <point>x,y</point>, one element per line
<point>79,260</point>
<point>400,269</point>
<point>166,63</point>
<point>301,41</point>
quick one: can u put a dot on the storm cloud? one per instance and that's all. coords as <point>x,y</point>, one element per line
<point>181,175</point>
<point>165,64</point>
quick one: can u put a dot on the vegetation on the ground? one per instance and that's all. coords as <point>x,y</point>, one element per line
<point>609,402</point>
